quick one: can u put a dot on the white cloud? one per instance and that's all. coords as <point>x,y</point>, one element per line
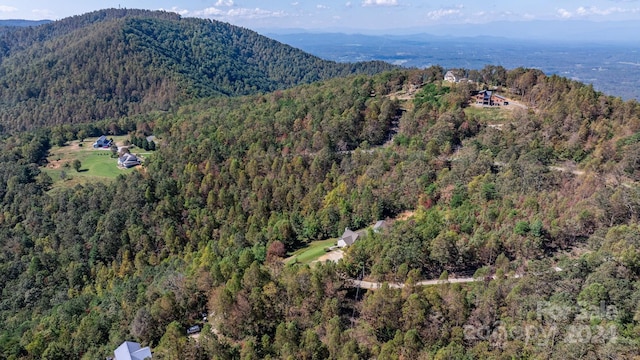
<point>595,11</point>
<point>295,3</point>
<point>322,7</point>
<point>348,4</point>
<point>224,3</point>
<point>441,13</point>
<point>210,11</point>
<point>564,13</point>
<point>7,9</point>
<point>379,2</point>
<point>240,13</point>
<point>177,10</point>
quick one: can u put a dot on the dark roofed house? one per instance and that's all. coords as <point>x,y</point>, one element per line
<point>489,98</point>
<point>128,160</point>
<point>102,142</point>
<point>484,98</point>
<point>348,238</point>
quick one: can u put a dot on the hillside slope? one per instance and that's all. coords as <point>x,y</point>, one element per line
<point>114,63</point>
<point>205,225</point>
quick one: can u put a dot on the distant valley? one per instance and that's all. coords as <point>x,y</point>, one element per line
<point>611,68</point>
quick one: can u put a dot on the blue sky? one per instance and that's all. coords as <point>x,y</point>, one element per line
<point>345,14</point>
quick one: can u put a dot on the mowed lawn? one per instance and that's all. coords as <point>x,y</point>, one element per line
<point>97,164</point>
<point>311,252</point>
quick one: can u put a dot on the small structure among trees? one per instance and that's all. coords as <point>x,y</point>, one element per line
<point>348,238</point>
<point>454,76</point>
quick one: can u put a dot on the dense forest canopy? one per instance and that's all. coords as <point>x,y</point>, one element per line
<point>115,63</point>
<point>238,182</point>
<point>539,200</point>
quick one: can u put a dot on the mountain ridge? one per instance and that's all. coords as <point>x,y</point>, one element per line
<point>114,63</point>
<point>22,22</point>
<point>540,30</point>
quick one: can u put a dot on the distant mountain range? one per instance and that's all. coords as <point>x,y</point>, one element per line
<point>114,63</point>
<point>612,67</point>
<point>554,31</point>
<point>23,23</point>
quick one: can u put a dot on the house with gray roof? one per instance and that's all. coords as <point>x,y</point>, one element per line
<point>128,160</point>
<point>348,238</point>
<point>130,350</point>
<point>379,226</point>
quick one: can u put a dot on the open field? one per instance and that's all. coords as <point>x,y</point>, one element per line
<point>311,252</point>
<point>97,164</point>
<point>494,114</point>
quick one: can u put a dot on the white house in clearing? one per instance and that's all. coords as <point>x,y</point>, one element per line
<point>348,238</point>
<point>128,160</point>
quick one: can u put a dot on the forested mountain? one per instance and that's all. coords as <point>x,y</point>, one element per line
<point>548,191</point>
<point>115,63</point>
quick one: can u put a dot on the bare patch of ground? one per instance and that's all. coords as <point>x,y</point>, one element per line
<point>405,94</point>
<point>334,255</point>
<point>405,215</point>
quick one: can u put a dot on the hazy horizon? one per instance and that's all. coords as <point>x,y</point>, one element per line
<point>602,19</point>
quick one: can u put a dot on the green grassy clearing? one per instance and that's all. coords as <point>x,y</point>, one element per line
<point>488,114</point>
<point>311,252</point>
<point>97,164</point>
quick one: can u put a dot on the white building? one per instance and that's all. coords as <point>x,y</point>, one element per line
<point>130,350</point>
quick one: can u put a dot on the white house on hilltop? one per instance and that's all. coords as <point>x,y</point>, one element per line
<point>452,77</point>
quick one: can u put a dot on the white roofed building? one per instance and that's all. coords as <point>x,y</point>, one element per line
<point>130,350</point>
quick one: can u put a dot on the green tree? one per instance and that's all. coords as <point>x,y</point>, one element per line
<point>173,344</point>
<point>76,164</point>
